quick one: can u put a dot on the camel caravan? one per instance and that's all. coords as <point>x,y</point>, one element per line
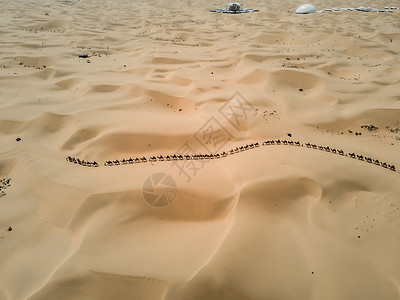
<point>82,162</point>
<point>180,157</point>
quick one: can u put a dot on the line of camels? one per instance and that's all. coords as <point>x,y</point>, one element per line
<point>180,157</point>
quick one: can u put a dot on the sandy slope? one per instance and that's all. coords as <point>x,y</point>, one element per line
<point>276,222</point>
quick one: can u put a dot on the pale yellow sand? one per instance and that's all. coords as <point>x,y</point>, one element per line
<point>276,222</point>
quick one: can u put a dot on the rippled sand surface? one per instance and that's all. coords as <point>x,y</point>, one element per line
<point>169,77</point>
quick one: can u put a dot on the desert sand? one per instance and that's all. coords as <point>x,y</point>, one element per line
<point>170,77</point>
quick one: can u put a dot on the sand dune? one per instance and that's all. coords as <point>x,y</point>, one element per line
<point>112,80</point>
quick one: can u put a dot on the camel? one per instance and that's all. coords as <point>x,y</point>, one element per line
<point>161,158</point>
<point>352,155</point>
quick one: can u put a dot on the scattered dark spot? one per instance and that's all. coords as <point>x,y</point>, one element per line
<point>180,109</point>
<point>83,56</point>
<point>312,272</point>
<point>287,58</point>
<point>370,127</point>
<point>124,66</point>
<point>212,72</point>
<point>46,14</point>
<point>18,139</point>
<point>289,135</point>
<point>88,61</point>
<point>9,228</point>
<point>390,40</point>
<point>300,90</point>
<point>358,236</point>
